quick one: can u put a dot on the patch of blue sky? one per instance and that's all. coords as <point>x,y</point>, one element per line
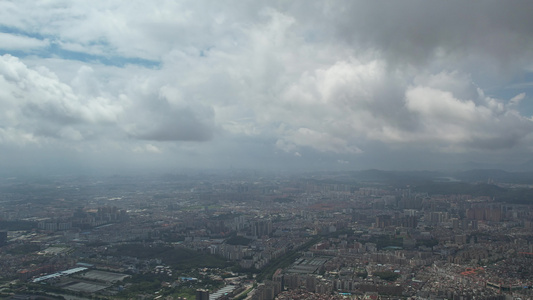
<point>54,49</point>
<point>18,31</point>
<point>205,52</point>
<point>525,85</point>
<point>525,81</point>
<point>520,84</point>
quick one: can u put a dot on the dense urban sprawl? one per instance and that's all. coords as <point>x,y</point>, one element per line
<point>250,236</point>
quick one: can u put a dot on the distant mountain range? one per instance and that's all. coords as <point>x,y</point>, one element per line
<point>470,176</point>
<point>478,182</point>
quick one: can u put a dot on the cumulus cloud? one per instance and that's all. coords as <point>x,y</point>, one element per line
<point>356,101</point>
<point>309,79</point>
<point>460,122</point>
<point>37,103</point>
<point>161,111</point>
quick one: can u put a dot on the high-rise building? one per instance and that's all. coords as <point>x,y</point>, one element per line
<point>382,221</point>
<point>202,294</point>
<point>261,228</point>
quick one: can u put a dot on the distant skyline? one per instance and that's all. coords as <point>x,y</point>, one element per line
<point>117,87</point>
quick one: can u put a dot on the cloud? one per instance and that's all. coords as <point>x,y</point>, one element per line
<point>314,80</point>
<point>148,148</point>
<point>517,99</point>
<point>174,124</point>
<point>16,42</point>
<point>353,101</point>
<point>160,111</point>
<point>462,123</point>
<point>39,103</point>
<point>417,31</point>
<point>36,103</point>
<point>317,140</point>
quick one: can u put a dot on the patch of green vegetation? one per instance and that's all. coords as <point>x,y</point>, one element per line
<point>428,243</point>
<point>24,249</point>
<point>238,240</point>
<point>151,284</point>
<point>361,273</point>
<point>386,241</point>
<point>387,275</point>
<point>142,286</point>
<point>176,257</point>
<point>222,217</point>
<point>193,207</point>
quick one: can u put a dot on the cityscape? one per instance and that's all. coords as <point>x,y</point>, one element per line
<point>266,150</point>
<point>256,235</point>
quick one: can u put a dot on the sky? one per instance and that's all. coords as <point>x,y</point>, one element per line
<point>134,86</point>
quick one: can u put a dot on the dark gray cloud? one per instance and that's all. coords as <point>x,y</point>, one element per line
<point>417,31</point>
<point>185,124</point>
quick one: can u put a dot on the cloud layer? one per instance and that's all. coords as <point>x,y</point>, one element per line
<point>211,84</point>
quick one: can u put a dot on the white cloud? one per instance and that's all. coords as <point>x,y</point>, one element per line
<point>310,79</point>
<point>463,124</point>
<point>17,42</point>
<point>37,103</point>
<point>517,99</point>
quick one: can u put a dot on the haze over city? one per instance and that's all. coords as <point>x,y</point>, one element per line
<point>115,87</point>
<point>266,150</point>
